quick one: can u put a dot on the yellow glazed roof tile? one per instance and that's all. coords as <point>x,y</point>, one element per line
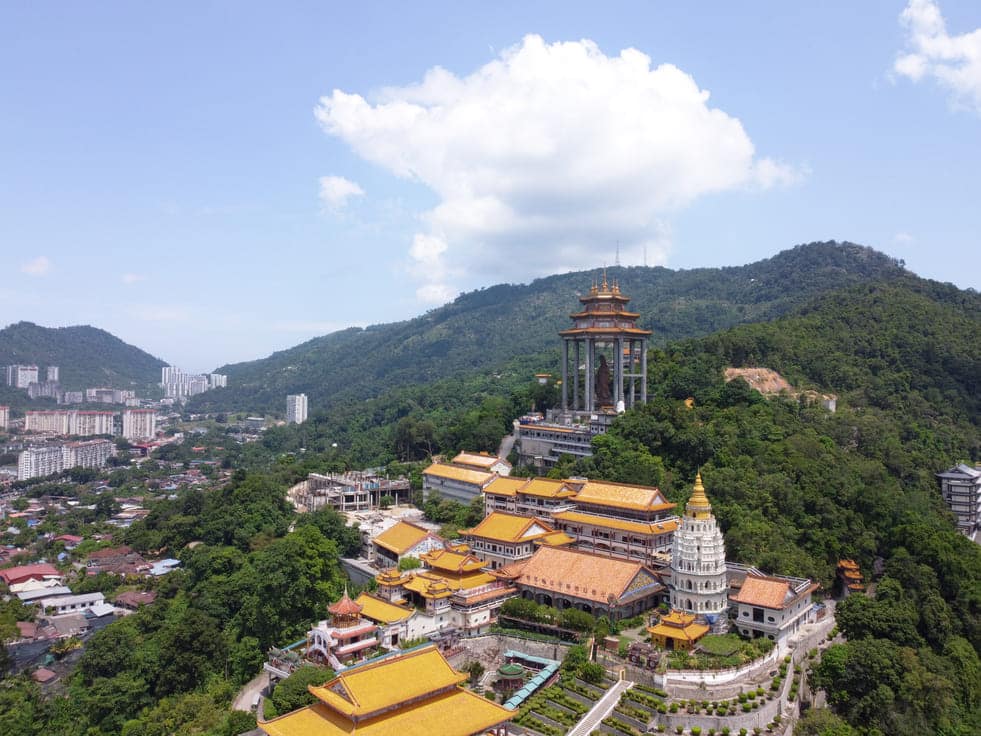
<point>476,459</point>
<point>381,611</point>
<point>374,687</point>
<point>502,527</point>
<point>637,527</point>
<point>619,495</point>
<point>505,486</point>
<point>464,475</point>
<point>401,538</point>
<point>457,713</point>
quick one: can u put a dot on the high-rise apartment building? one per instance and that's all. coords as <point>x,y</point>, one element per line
<point>4,417</point>
<point>218,380</point>
<point>36,462</point>
<point>139,424</point>
<point>88,454</point>
<point>52,373</point>
<point>21,376</point>
<point>54,422</point>
<point>296,408</point>
<point>83,423</point>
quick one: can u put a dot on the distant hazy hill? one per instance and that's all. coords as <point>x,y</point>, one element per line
<point>486,328</point>
<point>86,356</point>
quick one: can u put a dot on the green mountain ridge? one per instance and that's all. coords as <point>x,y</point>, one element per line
<point>86,356</point>
<point>482,329</point>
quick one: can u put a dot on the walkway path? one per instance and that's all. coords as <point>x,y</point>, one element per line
<point>601,710</point>
<point>243,701</point>
<point>506,445</point>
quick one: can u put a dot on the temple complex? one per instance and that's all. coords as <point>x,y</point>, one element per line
<point>698,563</point>
<point>416,693</point>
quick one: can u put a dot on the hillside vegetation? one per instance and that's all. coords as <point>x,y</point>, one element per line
<point>87,356</point>
<point>484,329</point>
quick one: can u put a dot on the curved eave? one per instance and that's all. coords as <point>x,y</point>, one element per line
<point>607,315</point>
<point>600,331</point>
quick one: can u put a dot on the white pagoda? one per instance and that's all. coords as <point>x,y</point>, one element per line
<point>698,563</point>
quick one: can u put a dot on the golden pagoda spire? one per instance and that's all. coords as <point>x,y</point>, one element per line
<point>698,506</point>
<point>606,286</point>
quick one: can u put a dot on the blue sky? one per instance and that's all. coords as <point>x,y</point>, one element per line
<point>185,175</point>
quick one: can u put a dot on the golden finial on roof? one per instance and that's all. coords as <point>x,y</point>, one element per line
<point>606,286</point>
<point>698,505</point>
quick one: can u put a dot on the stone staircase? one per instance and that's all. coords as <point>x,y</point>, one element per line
<point>604,706</point>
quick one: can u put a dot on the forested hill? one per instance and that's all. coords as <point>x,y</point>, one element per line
<point>483,329</point>
<point>86,356</point>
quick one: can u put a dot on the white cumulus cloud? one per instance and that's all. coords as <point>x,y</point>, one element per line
<point>952,61</point>
<point>547,157</point>
<point>335,191</point>
<point>36,267</point>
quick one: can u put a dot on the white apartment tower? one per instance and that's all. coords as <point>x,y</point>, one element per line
<point>139,424</point>
<point>52,374</point>
<point>37,462</point>
<point>698,562</point>
<point>4,417</point>
<point>217,380</point>
<point>85,423</point>
<point>296,408</point>
<point>55,422</point>
<point>21,376</point>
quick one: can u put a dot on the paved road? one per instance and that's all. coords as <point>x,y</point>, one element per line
<point>243,701</point>
<point>506,444</point>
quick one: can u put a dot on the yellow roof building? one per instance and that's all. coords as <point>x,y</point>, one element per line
<point>402,537</point>
<point>621,495</point>
<point>677,630</point>
<point>406,695</point>
<point>463,475</point>
<point>381,611</point>
<point>508,528</point>
<point>667,526</point>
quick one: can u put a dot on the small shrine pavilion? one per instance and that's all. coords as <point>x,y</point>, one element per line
<point>346,637</point>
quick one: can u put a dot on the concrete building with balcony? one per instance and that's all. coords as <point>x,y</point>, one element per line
<point>37,462</point>
<point>770,606</point>
<point>87,423</point>
<point>960,487</point>
<point>139,424</point>
<point>537,497</point>
<point>4,417</point>
<point>296,408</point>
<point>455,483</point>
<point>21,376</point>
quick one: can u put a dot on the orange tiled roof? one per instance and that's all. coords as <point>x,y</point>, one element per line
<point>764,592</point>
<point>583,575</point>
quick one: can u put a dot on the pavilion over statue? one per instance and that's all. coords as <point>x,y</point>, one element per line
<point>604,325</point>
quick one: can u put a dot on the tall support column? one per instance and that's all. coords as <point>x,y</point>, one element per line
<point>632,396</point>
<point>618,374</point>
<point>588,378</point>
<point>565,375</point>
<point>643,371</point>
<point>575,379</point>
